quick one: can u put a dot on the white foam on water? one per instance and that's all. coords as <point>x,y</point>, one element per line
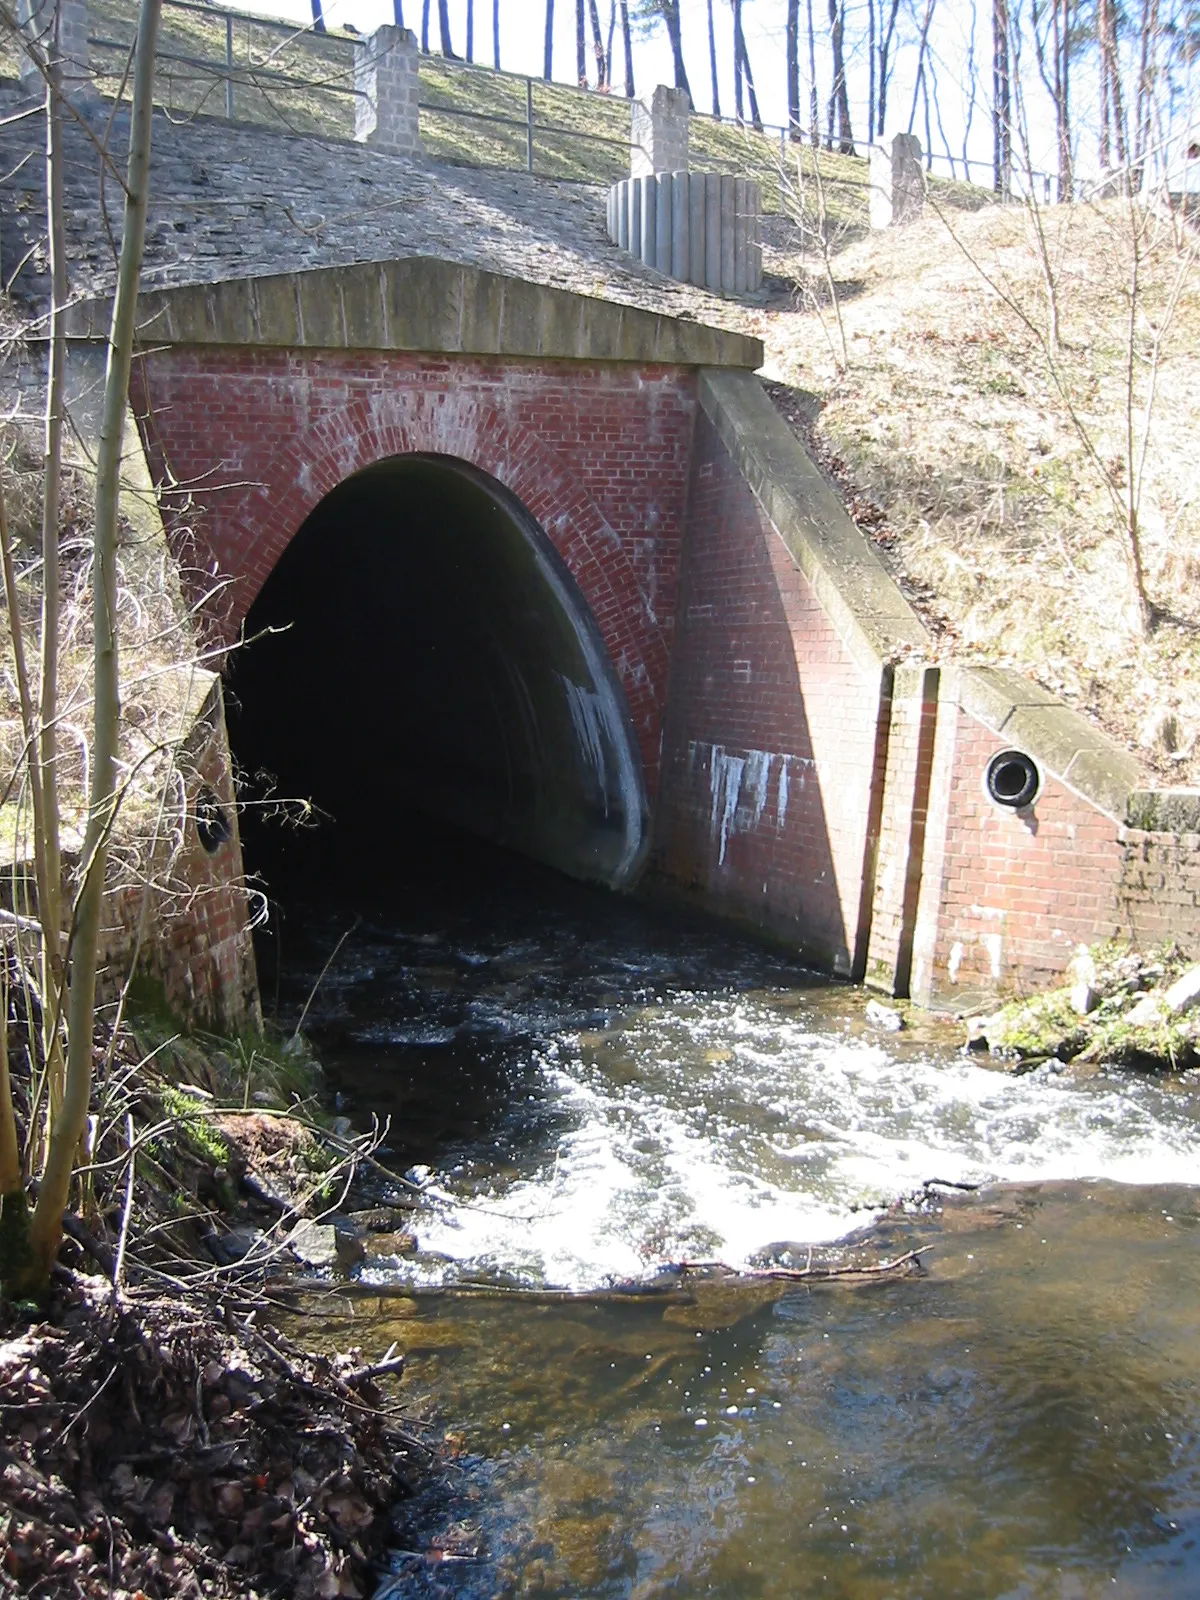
<point>741,1128</point>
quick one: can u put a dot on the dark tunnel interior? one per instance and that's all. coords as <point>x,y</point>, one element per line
<point>421,655</point>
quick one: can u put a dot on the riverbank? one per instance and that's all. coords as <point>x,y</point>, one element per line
<point>163,1437</point>
<point>1120,1007</point>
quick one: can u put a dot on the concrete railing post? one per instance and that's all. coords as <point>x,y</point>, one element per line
<point>699,227</point>
<point>37,23</point>
<point>658,139</point>
<point>897,182</point>
<point>386,114</point>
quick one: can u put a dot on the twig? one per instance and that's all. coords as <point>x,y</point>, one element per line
<point>321,979</point>
<point>119,1263</point>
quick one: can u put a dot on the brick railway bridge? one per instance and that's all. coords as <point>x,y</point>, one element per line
<point>557,570</point>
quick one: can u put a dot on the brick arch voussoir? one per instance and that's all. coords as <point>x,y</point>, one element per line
<point>362,433</point>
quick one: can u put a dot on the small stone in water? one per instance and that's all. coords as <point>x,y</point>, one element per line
<point>885,1017</point>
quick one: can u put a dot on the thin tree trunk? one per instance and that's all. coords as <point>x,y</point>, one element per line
<point>611,38</point>
<point>972,92</point>
<point>45,1233</point>
<point>496,34</point>
<point>50,890</point>
<point>840,94</point>
<point>670,11</point>
<point>1147,73</point>
<point>744,56</point>
<point>318,17</point>
<point>444,30</point>
<point>398,12</point>
<point>814,101</point>
<point>470,30</point>
<point>14,1202</point>
<point>548,48</point>
<point>712,61</point>
<point>598,46</point>
<point>870,70</point>
<point>738,106</point>
<point>886,63</point>
<point>580,46</point>
<point>924,42</point>
<point>793,66</point>
<point>1001,101</point>
<point>425,27</point>
<point>627,46</point>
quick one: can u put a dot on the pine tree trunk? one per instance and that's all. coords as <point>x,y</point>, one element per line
<point>670,11</point>
<point>814,101</point>
<point>318,17</point>
<point>496,34</point>
<point>598,46</point>
<point>580,46</point>
<point>425,27</point>
<point>839,97</point>
<point>627,46</point>
<point>743,60</point>
<point>444,30</point>
<point>712,61</point>
<point>793,67</point>
<point>470,30</point>
<point>1001,101</point>
<point>738,108</point>
<point>548,49</point>
<point>45,1233</point>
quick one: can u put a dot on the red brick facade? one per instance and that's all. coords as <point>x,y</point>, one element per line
<point>771,749</point>
<point>250,440</point>
<point>1007,896</point>
<point>803,789</point>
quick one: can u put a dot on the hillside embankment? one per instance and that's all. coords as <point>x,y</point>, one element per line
<point>992,464</point>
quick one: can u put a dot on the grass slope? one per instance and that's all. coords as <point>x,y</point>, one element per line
<point>947,417</point>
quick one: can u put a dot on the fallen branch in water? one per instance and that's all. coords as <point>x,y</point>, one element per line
<point>813,1274</point>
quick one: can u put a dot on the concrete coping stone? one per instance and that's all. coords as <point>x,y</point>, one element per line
<point>418,303</point>
<point>873,618</point>
<point>1038,722</point>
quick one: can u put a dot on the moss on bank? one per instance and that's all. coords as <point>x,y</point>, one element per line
<point>1119,1009</point>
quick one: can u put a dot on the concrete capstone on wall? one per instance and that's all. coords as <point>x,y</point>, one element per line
<point>387,80</point>
<point>658,138</point>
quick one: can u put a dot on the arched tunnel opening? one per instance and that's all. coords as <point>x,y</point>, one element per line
<point>421,662</point>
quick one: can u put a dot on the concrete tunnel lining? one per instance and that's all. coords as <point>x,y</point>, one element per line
<point>422,647</point>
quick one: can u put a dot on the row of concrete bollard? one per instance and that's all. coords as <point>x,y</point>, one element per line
<point>700,227</point>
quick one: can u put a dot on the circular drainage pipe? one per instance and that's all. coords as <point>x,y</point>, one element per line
<point>1012,780</point>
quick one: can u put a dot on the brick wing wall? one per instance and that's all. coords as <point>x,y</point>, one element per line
<point>771,748</point>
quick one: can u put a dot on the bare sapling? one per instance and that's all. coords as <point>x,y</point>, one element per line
<point>815,227</point>
<point>70,1120</point>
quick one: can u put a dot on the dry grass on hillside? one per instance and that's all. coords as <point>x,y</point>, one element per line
<point>996,520</point>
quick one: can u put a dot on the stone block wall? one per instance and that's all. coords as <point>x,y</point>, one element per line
<point>1159,892</point>
<point>387,81</point>
<point>37,23</point>
<point>658,137</point>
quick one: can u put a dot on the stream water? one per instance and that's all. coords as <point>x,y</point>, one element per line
<point>588,1089</point>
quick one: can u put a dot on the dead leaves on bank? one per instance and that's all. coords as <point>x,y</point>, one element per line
<point>158,1451</point>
